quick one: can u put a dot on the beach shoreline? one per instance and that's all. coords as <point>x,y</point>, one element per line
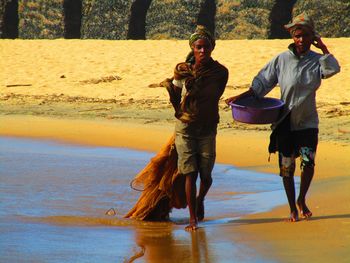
<point>91,92</point>
<point>244,149</point>
<point>328,228</point>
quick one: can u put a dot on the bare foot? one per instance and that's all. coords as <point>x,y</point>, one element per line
<point>293,217</point>
<point>304,210</point>
<point>200,210</point>
<point>192,226</point>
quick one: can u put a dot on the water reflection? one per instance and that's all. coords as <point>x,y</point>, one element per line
<point>171,244</point>
<point>200,252</point>
<point>54,196</point>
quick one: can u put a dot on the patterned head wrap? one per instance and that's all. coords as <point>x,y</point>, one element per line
<point>300,20</point>
<point>202,33</point>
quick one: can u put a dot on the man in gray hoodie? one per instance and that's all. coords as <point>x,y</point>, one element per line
<point>299,72</point>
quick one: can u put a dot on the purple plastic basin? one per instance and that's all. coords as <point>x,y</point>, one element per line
<point>256,111</point>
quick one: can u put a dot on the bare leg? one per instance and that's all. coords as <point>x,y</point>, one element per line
<point>288,183</point>
<point>287,169</point>
<point>191,191</point>
<point>305,181</point>
<point>203,190</point>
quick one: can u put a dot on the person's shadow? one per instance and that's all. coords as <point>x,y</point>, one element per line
<point>278,219</point>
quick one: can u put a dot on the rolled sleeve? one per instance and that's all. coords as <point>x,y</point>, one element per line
<point>179,83</point>
<point>329,66</point>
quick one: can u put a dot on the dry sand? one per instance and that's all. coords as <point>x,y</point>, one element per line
<point>106,93</point>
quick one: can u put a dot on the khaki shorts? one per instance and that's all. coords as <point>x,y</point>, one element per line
<point>196,148</point>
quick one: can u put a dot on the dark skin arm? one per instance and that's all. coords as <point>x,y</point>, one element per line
<point>319,44</point>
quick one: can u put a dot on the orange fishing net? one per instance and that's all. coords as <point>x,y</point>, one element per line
<point>163,188</point>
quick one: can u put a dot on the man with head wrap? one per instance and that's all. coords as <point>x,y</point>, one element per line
<point>298,72</point>
<point>195,92</point>
<point>169,179</point>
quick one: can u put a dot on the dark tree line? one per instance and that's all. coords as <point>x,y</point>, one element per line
<point>139,8</point>
<point>9,20</point>
<point>137,22</point>
<point>72,10</point>
<point>206,16</point>
<point>280,15</point>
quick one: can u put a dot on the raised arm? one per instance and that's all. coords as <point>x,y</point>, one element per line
<point>329,64</point>
<point>319,44</point>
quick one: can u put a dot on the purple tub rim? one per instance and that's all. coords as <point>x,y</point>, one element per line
<point>281,103</point>
<point>248,114</point>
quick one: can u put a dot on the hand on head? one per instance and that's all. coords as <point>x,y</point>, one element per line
<point>301,26</point>
<point>319,44</point>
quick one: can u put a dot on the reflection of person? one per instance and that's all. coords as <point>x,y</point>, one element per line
<point>170,177</point>
<point>163,246</point>
<point>298,72</point>
<point>203,81</point>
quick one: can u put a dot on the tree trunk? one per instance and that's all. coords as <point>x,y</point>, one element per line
<point>9,27</point>
<point>137,23</point>
<point>72,18</point>
<point>280,15</point>
<point>206,16</point>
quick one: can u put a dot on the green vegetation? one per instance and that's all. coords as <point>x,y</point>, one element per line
<point>171,19</point>
<point>332,17</point>
<point>175,19</point>
<point>41,19</point>
<point>105,19</point>
<point>245,19</point>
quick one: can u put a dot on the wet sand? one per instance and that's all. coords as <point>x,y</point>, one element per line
<point>95,93</point>
<point>264,232</point>
<point>65,203</point>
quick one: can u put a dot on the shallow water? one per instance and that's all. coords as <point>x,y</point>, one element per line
<point>54,197</point>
